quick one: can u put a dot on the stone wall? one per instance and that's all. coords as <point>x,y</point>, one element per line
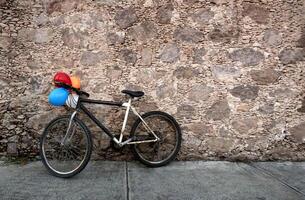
<point>231,72</point>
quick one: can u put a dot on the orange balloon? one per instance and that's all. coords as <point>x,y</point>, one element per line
<point>75,82</point>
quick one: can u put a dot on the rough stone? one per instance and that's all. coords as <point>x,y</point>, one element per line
<point>198,54</point>
<point>114,73</point>
<point>54,6</point>
<point>302,108</point>
<point>104,144</point>
<point>223,131</point>
<point>245,92</point>
<point>292,56</point>
<point>13,138</point>
<point>129,56</point>
<point>72,38</point>
<point>165,90</point>
<point>272,37</point>
<point>92,58</point>
<point>5,42</point>
<point>186,110</point>
<point>145,76</point>
<point>3,2</point>
<point>12,148</point>
<point>143,32</point>
<point>203,16</point>
<point>190,2</point>
<point>4,141</point>
<point>221,35</point>
<point>38,121</point>
<point>42,19</point>
<point>146,56</point>
<point>115,38</point>
<point>200,93</point>
<point>247,56</point>
<point>245,125</point>
<point>3,83</point>
<point>99,87</point>
<point>58,21</point>
<point>225,72</point>
<point>126,17</point>
<point>43,35</point>
<point>148,106</point>
<point>26,34</point>
<point>298,132</point>
<point>220,2</point>
<point>108,2</point>
<point>185,72</point>
<point>39,85</point>
<point>282,93</point>
<point>267,108</point>
<point>193,141</point>
<point>66,62</point>
<point>219,110</point>
<point>201,129</point>
<point>264,77</point>
<point>257,13</point>
<point>188,34</point>
<point>164,13</point>
<point>11,127</point>
<point>170,53</point>
<point>220,145</point>
<point>61,6</point>
<point>301,40</point>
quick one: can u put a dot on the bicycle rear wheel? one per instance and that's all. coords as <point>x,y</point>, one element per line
<point>65,158</point>
<point>156,154</point>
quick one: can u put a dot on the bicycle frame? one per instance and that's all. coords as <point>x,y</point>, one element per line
<point>120,142</point>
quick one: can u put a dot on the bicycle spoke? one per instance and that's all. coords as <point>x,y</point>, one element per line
<point>161,150</point>
<point>158,154</point>
<point>74,154</point>
<point>69,156</point>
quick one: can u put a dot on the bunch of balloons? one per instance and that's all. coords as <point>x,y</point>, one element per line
<point>61,96</point>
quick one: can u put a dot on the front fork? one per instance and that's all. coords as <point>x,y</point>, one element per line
<point>68,130</point>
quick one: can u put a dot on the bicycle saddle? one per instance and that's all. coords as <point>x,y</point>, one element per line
<point>133,93</point>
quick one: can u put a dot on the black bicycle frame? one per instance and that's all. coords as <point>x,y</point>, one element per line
<point>92,117</point>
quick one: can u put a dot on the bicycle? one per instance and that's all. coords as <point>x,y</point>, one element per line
<point>66,142</point>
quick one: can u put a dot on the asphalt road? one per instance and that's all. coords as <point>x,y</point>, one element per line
<point>177,181</point>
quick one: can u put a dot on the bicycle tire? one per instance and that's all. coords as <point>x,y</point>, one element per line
<point>173,154</point>
<point>88,152</point>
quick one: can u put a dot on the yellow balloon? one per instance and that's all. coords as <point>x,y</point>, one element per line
<point>75,82</point>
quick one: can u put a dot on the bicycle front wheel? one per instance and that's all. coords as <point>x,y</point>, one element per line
<point>65,154</point>
<point>156,154</point>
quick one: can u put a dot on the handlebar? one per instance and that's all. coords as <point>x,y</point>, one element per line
<point>79,92</point>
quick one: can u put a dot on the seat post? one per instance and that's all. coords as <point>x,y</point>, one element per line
<point>127,105</point>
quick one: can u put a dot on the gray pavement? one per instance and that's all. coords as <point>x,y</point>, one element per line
<point>179,180</point>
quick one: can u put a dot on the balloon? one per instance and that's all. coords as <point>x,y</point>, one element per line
<point>72,100</point>
<point>75,82</point>
<point>58,97</point>
<point>62,77</point>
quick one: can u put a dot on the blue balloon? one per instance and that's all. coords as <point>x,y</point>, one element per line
<point>58,97</point>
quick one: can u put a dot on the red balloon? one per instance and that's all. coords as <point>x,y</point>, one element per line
<point>62,77</point>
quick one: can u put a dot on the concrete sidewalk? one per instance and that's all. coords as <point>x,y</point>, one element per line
<point>179,180</point>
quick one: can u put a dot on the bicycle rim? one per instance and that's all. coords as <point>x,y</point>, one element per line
<point>69,157</point>
<point>166,130</point>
